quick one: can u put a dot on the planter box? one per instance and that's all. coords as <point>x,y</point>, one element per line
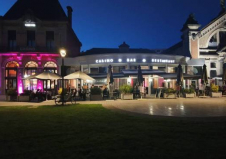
<point>189,95</point>
<point>216,94</point>
<point>96,97</point>
<point>23,98</point>
<point>169,96</point>
<point>127,96</point>
<point>2,97</point>
<point>11,98</point>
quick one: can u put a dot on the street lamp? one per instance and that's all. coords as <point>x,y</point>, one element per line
<point>63,54</point>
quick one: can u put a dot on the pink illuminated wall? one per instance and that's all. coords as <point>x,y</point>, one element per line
<point>22,59</point>
<point>20,87</point>
<point>161,81</point>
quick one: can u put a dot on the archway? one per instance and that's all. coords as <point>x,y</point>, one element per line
<point>30,69</point>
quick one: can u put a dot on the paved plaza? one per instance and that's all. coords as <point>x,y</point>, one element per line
<point>182,107</point>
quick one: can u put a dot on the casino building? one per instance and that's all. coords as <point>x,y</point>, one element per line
<point>198,46</point>
<point>31,33</point>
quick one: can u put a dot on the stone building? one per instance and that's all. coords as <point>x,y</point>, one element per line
<point>31,33</point>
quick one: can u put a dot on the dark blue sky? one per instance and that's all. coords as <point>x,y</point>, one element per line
<point>141,23</point>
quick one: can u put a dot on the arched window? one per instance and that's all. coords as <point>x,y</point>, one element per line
<point>213,41</point>
<point>30,69</point>
<point>11,75</point>
<point>31,64</point>
<point>50,67</point>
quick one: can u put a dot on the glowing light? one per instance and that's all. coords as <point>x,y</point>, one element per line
<point>144,60</point>
<point>20,90</point>
<point>131,60</point>
<point>63,52</point>
<point>119,60</point>
<point>30,25</point>
<point>129,80</point>
<point>104,61</point>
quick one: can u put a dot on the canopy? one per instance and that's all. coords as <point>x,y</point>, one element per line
<point>44,76</point>
<point>79,75</point>
<point>174,76</point>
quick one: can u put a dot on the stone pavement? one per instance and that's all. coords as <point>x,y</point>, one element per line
<point>182,107</point>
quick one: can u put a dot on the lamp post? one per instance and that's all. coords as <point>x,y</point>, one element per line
<point>63,54</point>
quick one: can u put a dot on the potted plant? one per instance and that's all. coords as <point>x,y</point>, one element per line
<point>12,94</point>
<point>189,93</point>
<point>215,91</point>
<point>126,92</point>
<point>95,94</point>
<point>25,97</point>
<point>169,93</point>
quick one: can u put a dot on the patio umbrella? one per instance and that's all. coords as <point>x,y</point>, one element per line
<point>44,76</point>
<point>224,74</point>
<point>180,76</point>
<point>79,75</point>
<point>139,76</point>
<point>204,78</point>
<point>110,78</point>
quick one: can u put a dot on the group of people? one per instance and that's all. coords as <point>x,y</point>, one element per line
<point>81,93</point>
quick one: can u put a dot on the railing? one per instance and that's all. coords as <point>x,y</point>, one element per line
<point>28,49</point>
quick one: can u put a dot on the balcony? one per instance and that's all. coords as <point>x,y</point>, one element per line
<point>28,49</point>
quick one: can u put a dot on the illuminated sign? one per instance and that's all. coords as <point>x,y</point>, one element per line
<point>104,61</point>
<point>131,60</point>
<point>162,61</point>
<point>29,23</point>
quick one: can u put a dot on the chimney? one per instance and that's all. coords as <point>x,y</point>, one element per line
<point>69,14</point>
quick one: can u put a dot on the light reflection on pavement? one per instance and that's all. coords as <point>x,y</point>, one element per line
<point>181,107</point>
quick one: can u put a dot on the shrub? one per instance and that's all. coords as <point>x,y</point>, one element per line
<point>214,88</point>
<point>126,89</point>
<point>189,91</point>
<point>12,92</point>
<point>95,91</point>
<point>169,91</point>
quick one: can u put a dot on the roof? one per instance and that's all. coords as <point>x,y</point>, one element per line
<point>124,45</point>
<point>50,10</point>
<point>190,20</point>
<point>117,50</point>
<point>212,21</point>
<point>172,49</point>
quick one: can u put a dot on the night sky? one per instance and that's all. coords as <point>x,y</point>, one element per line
<point>141,23</point>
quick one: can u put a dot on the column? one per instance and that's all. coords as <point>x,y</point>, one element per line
<point>40,82</point>
<point>20,87</point>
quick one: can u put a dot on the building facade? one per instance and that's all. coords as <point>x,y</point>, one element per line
<point>206,45</point>
<point>31,34</point>
<point>158,69</point>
